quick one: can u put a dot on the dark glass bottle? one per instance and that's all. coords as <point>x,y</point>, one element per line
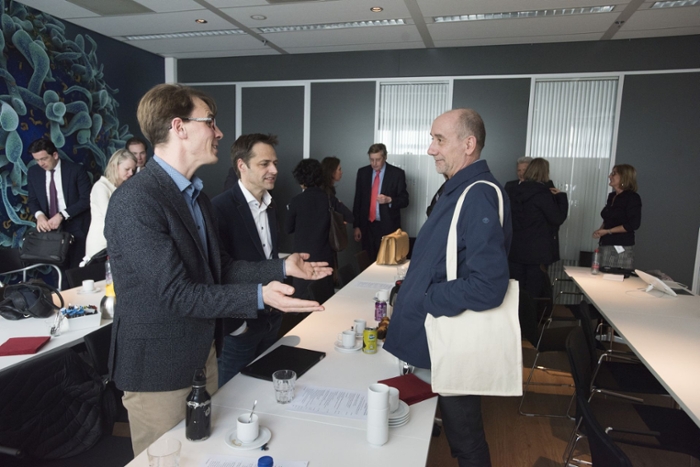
<point>198,421</point>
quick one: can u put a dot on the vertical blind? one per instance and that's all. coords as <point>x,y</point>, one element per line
<point>405,114</point>
<point>573,124</point>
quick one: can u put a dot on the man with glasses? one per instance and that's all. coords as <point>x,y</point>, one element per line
<point>171,276</point>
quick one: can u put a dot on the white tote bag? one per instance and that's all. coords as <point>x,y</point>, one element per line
<point>476,353</point>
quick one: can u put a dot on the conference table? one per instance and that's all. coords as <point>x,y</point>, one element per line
<point>322,440</point>
<point>40,327</point>
<point>662,330</point>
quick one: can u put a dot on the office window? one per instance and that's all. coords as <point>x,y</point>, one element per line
<point>573,124</point>
<point>405,114</point>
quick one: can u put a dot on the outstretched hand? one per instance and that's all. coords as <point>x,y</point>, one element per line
<point>277,295</point>
<point>297,266</point>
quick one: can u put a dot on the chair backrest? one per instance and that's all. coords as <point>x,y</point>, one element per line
<point>363,261</point>
<point>588,326</point>
<point>76,276</point>
<point>604,451</point>
<point>580,361</point>
<point>9,259</point>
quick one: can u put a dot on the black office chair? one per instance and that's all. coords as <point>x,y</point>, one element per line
<point>76,276</point>
<point>544,338</point>
<point>664,428</point>
<point>11,264</point>
<point>363,261</point>
<point>604,451</point>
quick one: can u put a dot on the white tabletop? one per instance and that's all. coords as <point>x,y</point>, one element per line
<point>321,440</point>
<point>31,327</point>
<point>664,331</point>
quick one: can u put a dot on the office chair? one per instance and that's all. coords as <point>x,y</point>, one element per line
<point>76,276</point>
<point>11,263</point>
<point>664,428</point>
<point>604,451</point>
<point>545,339</point>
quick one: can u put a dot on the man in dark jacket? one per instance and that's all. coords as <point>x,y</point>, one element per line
<point>59,196</point>
<point>482,268</point>
<point>171,276</point>
<point>380,194</point>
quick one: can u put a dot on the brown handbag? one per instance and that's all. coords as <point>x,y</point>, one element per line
<point>394,248</point>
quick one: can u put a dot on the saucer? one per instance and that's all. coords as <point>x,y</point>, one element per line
<point>88,292</point>
<point>396,424</point>
<point>339,347</point>
<point>264,436</point>
<point>399,413</point>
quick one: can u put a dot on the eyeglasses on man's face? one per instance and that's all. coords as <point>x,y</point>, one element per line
<point>210,121</point>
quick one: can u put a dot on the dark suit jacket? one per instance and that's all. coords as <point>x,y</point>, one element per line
<point>76,193</point>
<point>238,233</point>
<point>394,185</point>
<point>168,287</point>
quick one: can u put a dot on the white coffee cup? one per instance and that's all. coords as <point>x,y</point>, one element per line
<point>393,399</point>
<point>247,428</point>
<point>347,339</point>
<point>88,285</point>
<point>382,295</point>
<point>360,325</point>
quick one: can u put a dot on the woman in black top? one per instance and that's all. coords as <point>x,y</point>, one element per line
<point>622,215</point>
<point>332,174</point>
<point>309,220</point>
<point>537,212</point>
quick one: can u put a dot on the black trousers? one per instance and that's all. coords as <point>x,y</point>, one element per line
<point>464,428</point>
<point>372,238</point>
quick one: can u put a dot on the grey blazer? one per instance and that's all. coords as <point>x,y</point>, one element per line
<point>168,295</point>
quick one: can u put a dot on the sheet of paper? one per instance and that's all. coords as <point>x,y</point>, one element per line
<point>232,461</point>
<point>373,285</point>
<point>331,401</point>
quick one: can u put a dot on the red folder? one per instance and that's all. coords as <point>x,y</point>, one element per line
<point>411,388</point>
<point>23,345</point>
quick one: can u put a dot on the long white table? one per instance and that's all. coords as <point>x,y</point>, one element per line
<point>663,331</point>
<point>321,440</point>
<point>37,327</point>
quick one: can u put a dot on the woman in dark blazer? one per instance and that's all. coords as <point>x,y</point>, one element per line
<point>537,213</point>
<point>309,220</point>
<point>622,215</point>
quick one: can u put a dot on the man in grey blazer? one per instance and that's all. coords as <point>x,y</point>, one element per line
<point>171,278</point>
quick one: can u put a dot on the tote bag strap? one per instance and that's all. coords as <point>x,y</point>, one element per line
<point>451,251</point>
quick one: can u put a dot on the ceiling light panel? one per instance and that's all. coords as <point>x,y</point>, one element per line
<point>432,8</point>
<point>333,26</point>
<point>318,13</point>
<point>185,35</point>
<point>154,23</point>
<point>526,14</point>
<point>675,4</point>
<point>354,36</point>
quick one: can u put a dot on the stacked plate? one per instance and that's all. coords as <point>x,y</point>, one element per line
<point>400,416</point>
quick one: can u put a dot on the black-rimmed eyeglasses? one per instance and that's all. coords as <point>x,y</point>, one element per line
<point>210,121</point>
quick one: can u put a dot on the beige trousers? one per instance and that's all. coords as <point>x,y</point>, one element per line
<point>152,414</point>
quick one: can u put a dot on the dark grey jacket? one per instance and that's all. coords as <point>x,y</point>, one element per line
<point>168,295</point>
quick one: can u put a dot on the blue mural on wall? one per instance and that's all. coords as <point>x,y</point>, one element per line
<point>53,86</point>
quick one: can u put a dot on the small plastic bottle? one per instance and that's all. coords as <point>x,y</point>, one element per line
<point>595,263</point>
<point>265,461</point>
<point>109,300</point>
<point>198,420</point>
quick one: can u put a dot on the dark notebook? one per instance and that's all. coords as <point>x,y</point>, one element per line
<point>284,357</point>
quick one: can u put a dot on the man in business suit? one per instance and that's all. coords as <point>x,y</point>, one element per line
<point>248,231</point>
<point>172,279</point>
<point>380,194</point>
<point>59,197</point>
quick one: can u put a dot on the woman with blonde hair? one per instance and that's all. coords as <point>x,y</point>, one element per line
<point>622,215</point>
<point>537,212</point>
<point>121,166</point>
